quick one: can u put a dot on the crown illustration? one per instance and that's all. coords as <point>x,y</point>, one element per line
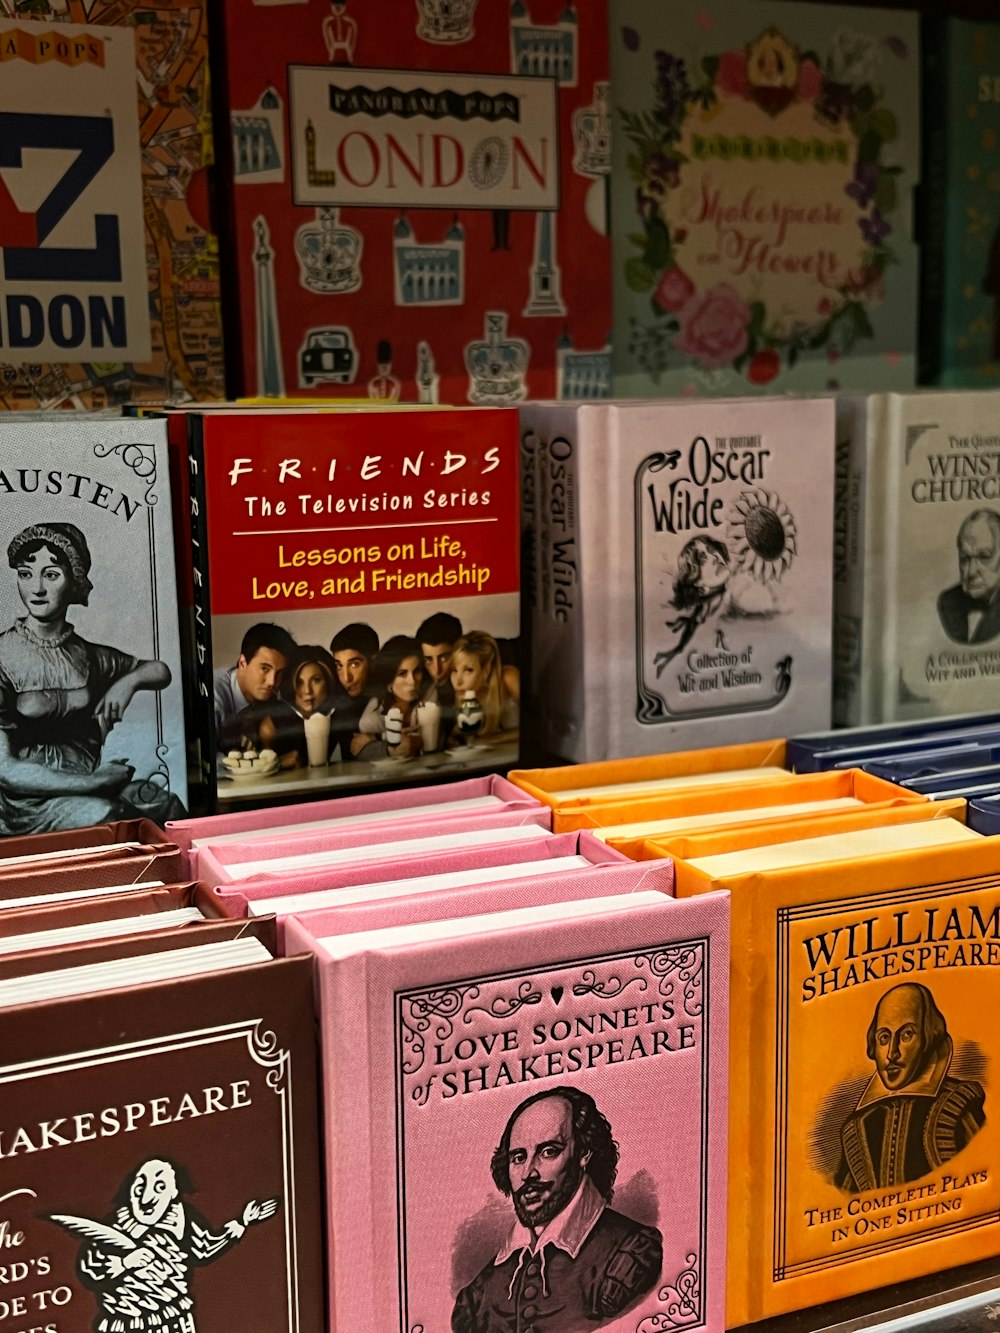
<point>497,364</point>
<point>592,135</point>
<point>445,20</point>
<point>329,253</point>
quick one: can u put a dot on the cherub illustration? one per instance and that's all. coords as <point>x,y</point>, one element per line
<point>138,1263</point>
<point>703,571</point>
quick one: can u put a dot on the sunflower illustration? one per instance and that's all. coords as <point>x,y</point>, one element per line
<point>763,535</point>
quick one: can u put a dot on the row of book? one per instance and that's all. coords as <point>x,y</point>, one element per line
<point>457,202</point>
<point>534,1044</point>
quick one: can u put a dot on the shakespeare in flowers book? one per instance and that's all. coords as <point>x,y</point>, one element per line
<point>765,161</point>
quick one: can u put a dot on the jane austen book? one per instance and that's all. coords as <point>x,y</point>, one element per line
<point>91,713</point>
<point>418,199</point>
<point>917,590</point>
<point>158,1154</point>
<point>686,552</point>
<point>356,587</point>
<point>109,283</point>
<point>862,1111</point>
<point>765,158</point>
<point>577,1096</point>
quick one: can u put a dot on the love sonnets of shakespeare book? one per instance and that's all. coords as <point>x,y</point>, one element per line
<point>91,710</point>
<point>684,565</point>
<point>578,1094</point>
<point>158,1149</point>
<point>863,1108</point>
<point>356,596</point>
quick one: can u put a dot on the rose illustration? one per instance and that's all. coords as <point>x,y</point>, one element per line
<point>713,328</point>
<point>764,366</point>
<point>674,289</point>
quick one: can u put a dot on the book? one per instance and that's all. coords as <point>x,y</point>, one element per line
<point>862,1112</point>
<point>917,587</point>
<point>109,280</point>
<point>765,157</point>
<point>960,250</point>
<point>698,539</point>
<point>159,1155</point>
<point>418,204</point>
<point>812,753</point>
<point>612,1010</point>
<point>323,543</point>
<point>984,815</point>
<point>122,865</point>
<point>90,675</point>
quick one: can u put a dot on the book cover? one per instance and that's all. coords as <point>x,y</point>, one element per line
<point>690,548</point>
<point>544,1086</point>
<point>90,674</point>
<point>765,157</point>
<point>357,597</point>
<point>158,1160</point>
<point>158,864</point>
<point>864,1108</point>
<point>960,251</point>
<point>109,283</point>
<point>419,199</point>
<point>919,596</point>
<point>810,753</point>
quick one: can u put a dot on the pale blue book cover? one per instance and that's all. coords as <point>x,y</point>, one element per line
<point>765,160</point>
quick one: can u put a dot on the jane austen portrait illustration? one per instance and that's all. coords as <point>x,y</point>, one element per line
<point>60,695</point>
<point>570,1262</point>
<point>913,1116</point>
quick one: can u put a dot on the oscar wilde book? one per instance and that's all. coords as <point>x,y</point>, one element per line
<point>90,676</point>
<point>356,588</point>
<point>686,574</point>
<point>577,1097</point>
<point>864,1108</point>
<point>109,286</point>
<point>960,253</point>
<point>419,199</point>
<point>158,1156</point>
<point>917,591</point>
<point>765,157</point>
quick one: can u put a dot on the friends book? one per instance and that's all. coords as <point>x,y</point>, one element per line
<point>579,1094</point>
<point>109,284</point>
<point>685,554</point>
<point>90,677</point>
<point>765,157</point>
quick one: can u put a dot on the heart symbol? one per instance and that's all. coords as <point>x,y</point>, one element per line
<point>557,994</point>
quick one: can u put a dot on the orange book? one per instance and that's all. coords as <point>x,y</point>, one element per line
<point>864,1106</point>
<point>721,765</point>
<point>641,817</point>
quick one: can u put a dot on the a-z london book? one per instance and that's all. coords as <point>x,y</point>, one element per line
<point>685,573</point>
<point>91,713</point>
<point>577,1098</point>
<point>863,1105</point>
<point>357,595</point>
<point>765,157</point>
<point>418,198</point>
<point>158,1153</point>
<point>109,286</point>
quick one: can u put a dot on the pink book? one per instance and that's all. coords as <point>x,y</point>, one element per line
<point>526,1118</point>
<point>471,796</point>
<point>233,862</point>
<point>463,893</point>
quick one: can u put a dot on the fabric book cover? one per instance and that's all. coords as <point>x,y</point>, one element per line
<point>109,284</point>
<point>91,711</point>
<point>686,551</point>
<point>917,583</point>
<point>863,1111</point>
<point>419,198</point>
<point>812,753</point>
<point>765,158</point>
<point>159,1160</point>
<point>960,217</point>
<point>575,1196</point>
<point>356,587</point>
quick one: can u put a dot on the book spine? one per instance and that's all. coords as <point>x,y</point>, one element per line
<point>853,561</point>
<point>559,645</point>
<point>204,701</point>
<point>529,453</point>
<point>932,208</point>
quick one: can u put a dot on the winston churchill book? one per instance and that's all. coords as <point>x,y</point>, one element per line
<point>91,716</point>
